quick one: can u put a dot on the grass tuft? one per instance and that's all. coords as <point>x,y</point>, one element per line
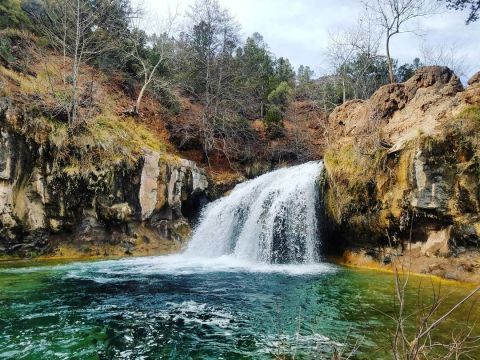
<point>350,175</point>
<point>470,113</point>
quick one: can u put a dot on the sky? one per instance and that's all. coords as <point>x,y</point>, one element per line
<point>300,29</point>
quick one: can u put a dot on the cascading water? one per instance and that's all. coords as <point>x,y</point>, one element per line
<point>270,219</point>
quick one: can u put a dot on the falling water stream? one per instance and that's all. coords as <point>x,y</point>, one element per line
<point>271,219</point>
<point>250,285</point>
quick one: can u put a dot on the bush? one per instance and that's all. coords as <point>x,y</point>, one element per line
<point>17,48</point>
<point>12,15</point>
<point>168,99</point>
<point>6,50</point>
<point>281,96</point>
<point>234,137</point>
<point>274,122</point>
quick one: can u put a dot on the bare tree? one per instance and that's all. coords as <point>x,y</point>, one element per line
<point>73,29</point>
<point>206,57</point>
<point>444,55</point>
<point>394,17</point>
<point>357,46</point>
<point>160,48</point>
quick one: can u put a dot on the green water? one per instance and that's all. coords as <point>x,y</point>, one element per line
<point>181,308</point>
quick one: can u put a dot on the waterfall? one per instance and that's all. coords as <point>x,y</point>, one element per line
<point>270,219</point>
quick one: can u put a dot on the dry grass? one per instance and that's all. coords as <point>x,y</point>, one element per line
<point>26,84</point>
<point>225,176</point>
<point>470,113</point>
<point>349,173</point>
<point>106,140</point>
<point>106,137</point>
<point>110,131</point>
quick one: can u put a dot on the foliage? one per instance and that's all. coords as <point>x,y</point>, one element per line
<point>255,68</point>
<point>364,74</point>
<point>406,71</point>
<point>167,98</point>
<point>283,72</point>
<point>274,122</point>
<point>6,54</point>
<point>12,15</point>
<point>281,96</point>
<point>305,84</point>
<point>472,5</point>
<point>17,48</point>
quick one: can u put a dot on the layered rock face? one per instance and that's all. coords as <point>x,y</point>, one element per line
<point>142,208</point>
<point>403,167</point>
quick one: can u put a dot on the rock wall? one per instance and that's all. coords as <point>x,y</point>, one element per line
<point>143,208</point>
<point>403,168</point>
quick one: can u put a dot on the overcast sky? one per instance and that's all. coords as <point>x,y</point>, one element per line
<point>299,29</point>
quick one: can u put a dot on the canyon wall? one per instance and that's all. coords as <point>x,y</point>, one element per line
<point>403,169</point>
<point>142,207</point>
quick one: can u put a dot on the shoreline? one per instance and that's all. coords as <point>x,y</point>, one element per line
<point>70,254</point>
<point>446,269</point>
<point>349,259</point>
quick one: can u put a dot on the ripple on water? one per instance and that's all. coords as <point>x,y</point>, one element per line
<point>177,308</point>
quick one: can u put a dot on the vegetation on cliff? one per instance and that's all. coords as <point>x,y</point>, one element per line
<point>92,89</point>
<point>402,170</point>
<point>203,91</point>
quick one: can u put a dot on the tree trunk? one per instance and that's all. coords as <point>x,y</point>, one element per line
<point>390,62</point>
<point>136,109</point>
<point>148,80</point>
<point>76,65</point>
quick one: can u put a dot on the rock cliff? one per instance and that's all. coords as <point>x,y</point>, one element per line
<point>403,169</point>
<point>139,207</point>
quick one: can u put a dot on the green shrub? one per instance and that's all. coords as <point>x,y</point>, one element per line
<point>168,99</point>
<point>12,15</point>
<point>17,48</point>
<point>281,96</point>
<point>6,50</point>
<point>470,113</point>
<point>274,122</point>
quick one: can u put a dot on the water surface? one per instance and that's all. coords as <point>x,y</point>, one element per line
<point>178,307</point>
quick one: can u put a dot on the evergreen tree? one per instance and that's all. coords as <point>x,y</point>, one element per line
<point>406,71</point>
<point>256,68</point>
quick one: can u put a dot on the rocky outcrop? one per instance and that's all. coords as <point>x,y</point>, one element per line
<point>402,167</point>
<point>117,209</point>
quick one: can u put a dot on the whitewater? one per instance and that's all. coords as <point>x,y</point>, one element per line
<point>271,219</point>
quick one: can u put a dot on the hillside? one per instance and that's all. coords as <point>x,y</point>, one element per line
<point>114,186</point>
<point>119,182</point>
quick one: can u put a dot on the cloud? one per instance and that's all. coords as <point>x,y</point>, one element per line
<point>300,29</point>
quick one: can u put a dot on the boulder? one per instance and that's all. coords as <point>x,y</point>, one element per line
<point>117,213</point>
<point>149,183</point>
<point>437,243</point>
<point>475,79</point>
